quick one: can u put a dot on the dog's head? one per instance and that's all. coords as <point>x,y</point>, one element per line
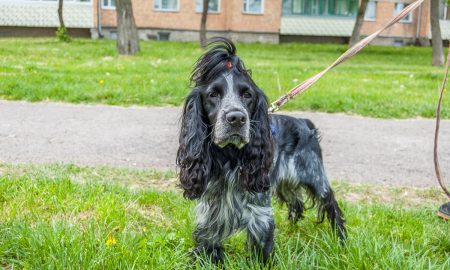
<point>228,94</point>
<point>227,109</point>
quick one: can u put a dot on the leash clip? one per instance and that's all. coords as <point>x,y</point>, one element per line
<point>273,107</point>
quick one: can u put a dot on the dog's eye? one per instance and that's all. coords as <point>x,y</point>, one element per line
<point>246,94</point>
<point>213,94</point>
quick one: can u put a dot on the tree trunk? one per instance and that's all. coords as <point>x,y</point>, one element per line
<point>436,38</point>
<point>61,33</point>
<point>203,24</point>
<point>127,36</point>
<point>359,21</point>
<point>60,14</point>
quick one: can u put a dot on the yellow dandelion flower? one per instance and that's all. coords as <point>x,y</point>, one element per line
<point>111,241</point>
<point>101,82</point>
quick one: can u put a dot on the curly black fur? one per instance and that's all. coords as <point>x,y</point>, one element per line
<point>193,158</point>
<point>233,170</point>
<point>258,154</point>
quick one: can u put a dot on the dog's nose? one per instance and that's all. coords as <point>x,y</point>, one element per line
<point>236,118</point>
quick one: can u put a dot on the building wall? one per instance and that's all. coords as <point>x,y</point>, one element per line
<point>411,30</point>
<point>44,14</point>
<point>268,22</point>
<point>185,23</point>
<point>23,31</point>
<point>230,21</point>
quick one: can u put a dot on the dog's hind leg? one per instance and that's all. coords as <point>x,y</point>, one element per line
<point>290,193</point>
<point>330,207</point>
<point>310,173</point>
<point>295,210</point>
<point>316,181</point>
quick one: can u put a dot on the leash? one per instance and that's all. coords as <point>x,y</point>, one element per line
<point>303,86</point>
<point>436,132</point>
<point>300,88</point>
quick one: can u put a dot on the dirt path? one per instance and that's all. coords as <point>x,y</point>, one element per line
<point>357,149</point>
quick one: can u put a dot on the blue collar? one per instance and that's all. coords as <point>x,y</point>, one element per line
<point>274,130</point>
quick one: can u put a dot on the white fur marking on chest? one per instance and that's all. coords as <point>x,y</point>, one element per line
<point>231,212</point>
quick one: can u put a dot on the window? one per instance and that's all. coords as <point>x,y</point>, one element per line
<point>444,10</point>
<point>371,11</point>
<point>109,3</point>
<point>253,6</point>
<point>213,5</point>
<point>298,7</point>
<point>343,7</point>
<point>321,7</point>
<point>166,5</point>
<point>398,8</point>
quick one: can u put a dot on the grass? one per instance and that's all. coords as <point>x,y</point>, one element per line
<point>70,217</point>
<point>380,81</point>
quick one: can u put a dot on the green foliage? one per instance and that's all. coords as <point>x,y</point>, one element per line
<point>63,35</point>
<point>380,81</point>
<point>53,220</point>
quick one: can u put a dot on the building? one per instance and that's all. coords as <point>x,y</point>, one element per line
<point>333,20</point>
<point>268,21</point>
<point>244,20</point>
<point>25,18</point>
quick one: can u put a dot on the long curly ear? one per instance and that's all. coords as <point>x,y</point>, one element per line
<point>192,156</point>
<point>258,153</point>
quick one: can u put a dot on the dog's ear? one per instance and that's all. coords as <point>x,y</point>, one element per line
<point>192,156</point>
<point>258,153</point>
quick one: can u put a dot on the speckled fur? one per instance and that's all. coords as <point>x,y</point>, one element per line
<point>234,170</point>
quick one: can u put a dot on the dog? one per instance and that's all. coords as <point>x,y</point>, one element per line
<point>233,157</point>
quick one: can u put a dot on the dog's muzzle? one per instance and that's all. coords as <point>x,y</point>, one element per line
<point>232,128</point>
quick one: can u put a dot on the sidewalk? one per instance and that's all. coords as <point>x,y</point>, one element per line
<point>356,149</point>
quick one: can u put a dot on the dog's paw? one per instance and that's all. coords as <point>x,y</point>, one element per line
<point>294,216</point>
<point>205,255</point>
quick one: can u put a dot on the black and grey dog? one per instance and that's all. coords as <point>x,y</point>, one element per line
<point>233,156</point>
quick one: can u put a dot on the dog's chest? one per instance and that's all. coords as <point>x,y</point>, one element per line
<point>224,201</point>
<point>225,208</point>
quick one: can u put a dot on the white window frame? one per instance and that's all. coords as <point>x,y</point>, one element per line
<point>244,2</point>
<point>374,3</point>
<point>109,6</point>
<point>315,7</point>
<point>209,11</point>
<point>165,10</point>
<point>408,18</point>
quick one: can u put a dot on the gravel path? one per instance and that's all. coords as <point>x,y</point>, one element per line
<point>356,149</point>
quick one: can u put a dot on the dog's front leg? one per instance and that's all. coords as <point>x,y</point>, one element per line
<point>211,252</point>
<point>260,234</point>
<point>209,234</point>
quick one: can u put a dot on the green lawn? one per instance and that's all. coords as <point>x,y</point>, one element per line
<point>380,81</point>
<point>69,217</point>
